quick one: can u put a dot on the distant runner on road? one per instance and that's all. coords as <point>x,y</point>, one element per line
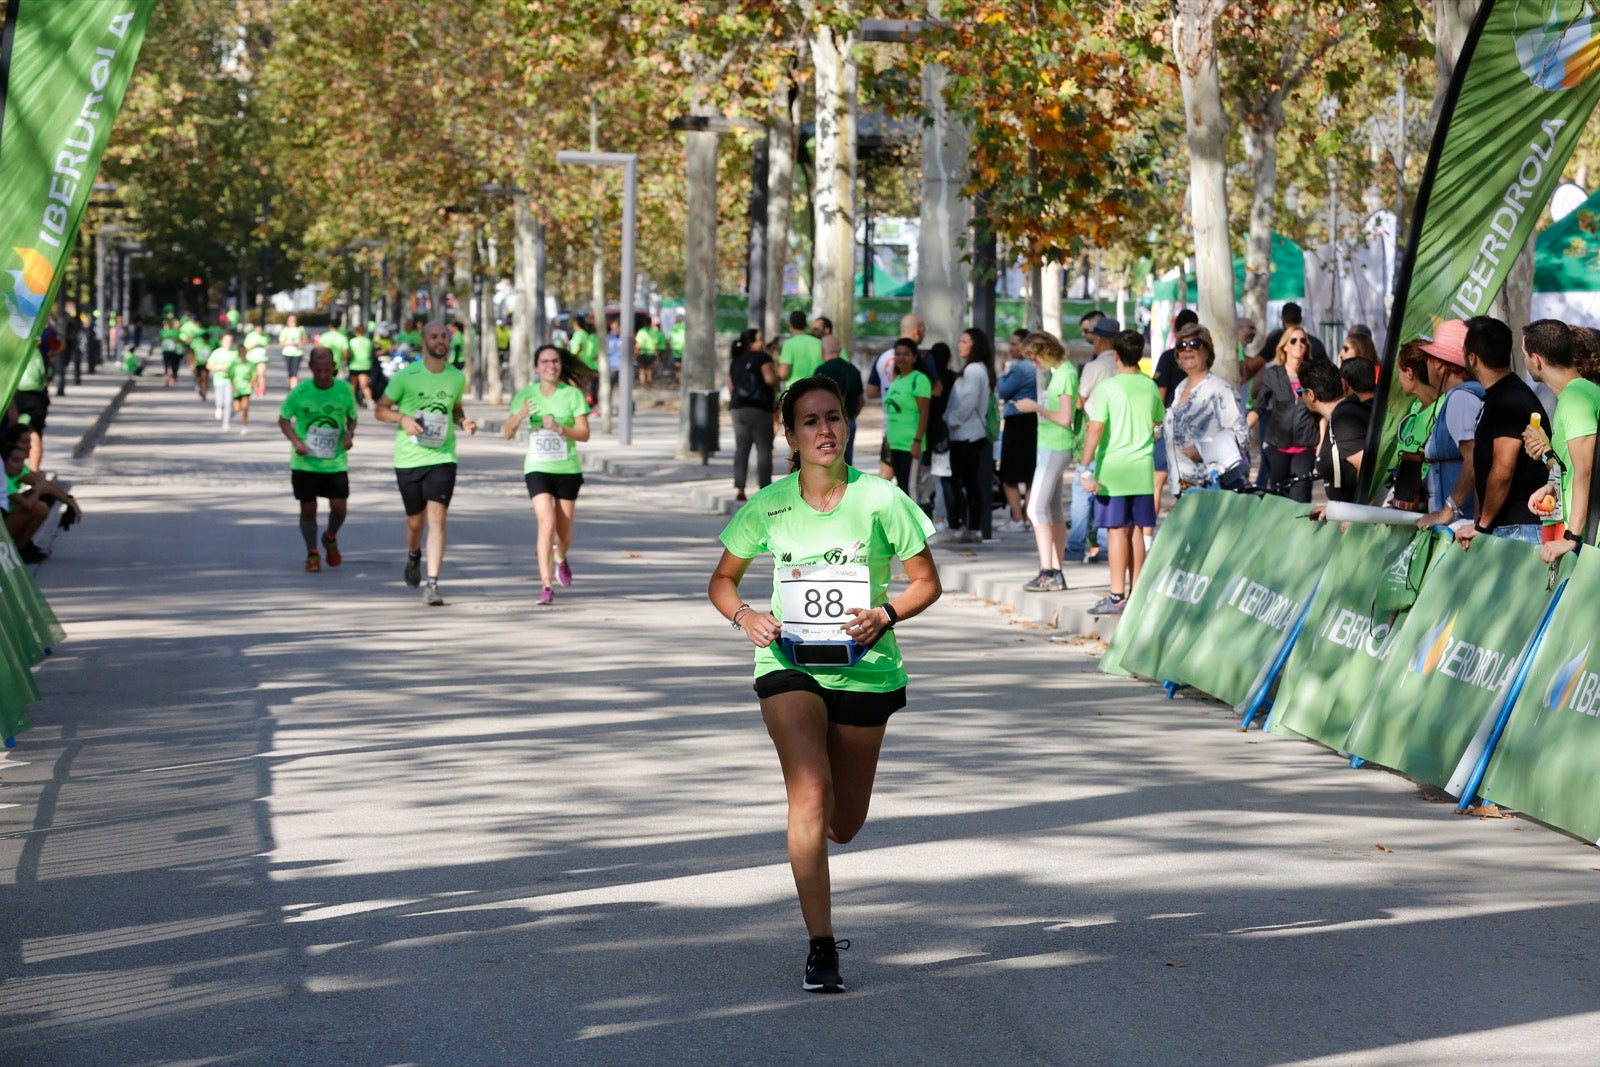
<point>557,417</point>
<point>828,670</point>
<point>219,371</point>
<point>361,364</point>
<point>424,403</point>
<point>255,354</point>
<point>292,344</point>
<point>319,419</point>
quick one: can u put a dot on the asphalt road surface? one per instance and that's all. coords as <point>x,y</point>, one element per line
<point>270,817</point>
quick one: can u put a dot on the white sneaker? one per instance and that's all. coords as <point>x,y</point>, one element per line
<point>944,536</point>
<point>1013,526</point>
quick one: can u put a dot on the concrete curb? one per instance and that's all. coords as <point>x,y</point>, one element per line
<point>92,435</point>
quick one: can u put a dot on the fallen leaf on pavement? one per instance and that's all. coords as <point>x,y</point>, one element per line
<point>1383,848</point>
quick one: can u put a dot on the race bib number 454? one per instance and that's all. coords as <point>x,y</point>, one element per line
<point>435,425</point>
<point>814,599</point>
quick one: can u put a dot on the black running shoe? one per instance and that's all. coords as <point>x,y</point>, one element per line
<point>413,571</point>
<point>822,966</point>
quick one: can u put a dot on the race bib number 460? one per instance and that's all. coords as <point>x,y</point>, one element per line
<point>322,441</point>
<point>435,425</point>
<point>546,445</point>
<point>814,599</point>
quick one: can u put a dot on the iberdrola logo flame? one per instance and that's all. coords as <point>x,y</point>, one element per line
<point>1433,647</point>
<point>1560,54</point>
<point>1559,693</point>
<point>29,287</point>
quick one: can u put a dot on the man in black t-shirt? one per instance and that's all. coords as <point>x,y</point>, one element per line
<point>1339,464</point>
<point>1168,374</point>
<point>1506,476</point>
<point>848,379</point>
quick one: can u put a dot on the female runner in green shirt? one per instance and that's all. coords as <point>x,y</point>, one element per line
<point>827,722</point>
<point>556,413</point>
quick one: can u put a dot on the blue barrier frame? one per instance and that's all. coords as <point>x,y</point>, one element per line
<point>1258,700</point>
<point>1469,792</point>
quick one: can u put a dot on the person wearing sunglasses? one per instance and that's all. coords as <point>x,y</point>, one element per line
<point>1205,432</point>
<point>1292,431</point>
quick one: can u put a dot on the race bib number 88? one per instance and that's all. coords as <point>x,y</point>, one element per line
<point>814,599</point>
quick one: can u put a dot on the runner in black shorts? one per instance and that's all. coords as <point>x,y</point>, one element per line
<point>319,419</point>
<point>833,532</point>
<point>423,402</point>
<point>556,414</point>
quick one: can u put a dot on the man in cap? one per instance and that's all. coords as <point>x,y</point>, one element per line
<point>1099,330</point>
<point>1450,446</point>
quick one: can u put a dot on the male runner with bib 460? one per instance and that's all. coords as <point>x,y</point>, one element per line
<point>319,419</point>
<point>424,403</point>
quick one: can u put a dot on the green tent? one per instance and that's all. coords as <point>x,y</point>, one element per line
<point>1288,276</point>
<point>1566,271</point>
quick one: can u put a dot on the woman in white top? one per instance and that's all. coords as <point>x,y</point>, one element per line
<point>970,487</point>
<point>1205,429</point>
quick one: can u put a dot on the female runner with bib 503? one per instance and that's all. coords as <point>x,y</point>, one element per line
<point>827,665</point>
<point>557,416</point>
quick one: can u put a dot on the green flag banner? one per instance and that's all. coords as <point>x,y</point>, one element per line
<point>1261,603</point>
<point>1453,659</point>
<point>1523,88</point>
<point>1548,760</point>
<point>24,614</point>
<point>1193,560</point>
<point>1333,668</point>
<point>63,70</point>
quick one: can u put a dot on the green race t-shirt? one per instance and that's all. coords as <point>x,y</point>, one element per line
<point>242,373</point>
<point>188,330</point>
<point>1060,395</point>
<point>564,405</point>
<point>292,340</point>
<point>1130,406</point>
<point>1577,415</point>
<point>255,346</point>
<point>676,335</point>
<point>33,376</point>
<point>360,354</point>
<point>583,346</point>
<point>458,348</point>
<point>900,408</point>
<point>803,354</point>
<point>336,342</point>
<point>320,417</point>
<point>646,342</point>
<point>873,523</point>
<point>431,398</point>
<point>1416,427</point>
<point>171,339</point>
<point>220,360</point>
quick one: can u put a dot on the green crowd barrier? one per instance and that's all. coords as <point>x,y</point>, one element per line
<point>28,628</point>
<point>1453,659</point>
<point>1547,762</point>
<point>1333,668</point>
<point>1257,606</point>
<point>1190,565</point>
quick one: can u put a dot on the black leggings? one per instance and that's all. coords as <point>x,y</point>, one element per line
<point>1284,465</point>
<point>964,495</point>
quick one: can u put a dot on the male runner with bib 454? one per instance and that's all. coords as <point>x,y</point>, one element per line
<point>424,403</point>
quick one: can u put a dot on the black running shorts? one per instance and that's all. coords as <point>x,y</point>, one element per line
<point>35,405</point>
<point>421,485</point>
<point>308,485</point>
<point>560,486</point>
<point>845,707</point>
